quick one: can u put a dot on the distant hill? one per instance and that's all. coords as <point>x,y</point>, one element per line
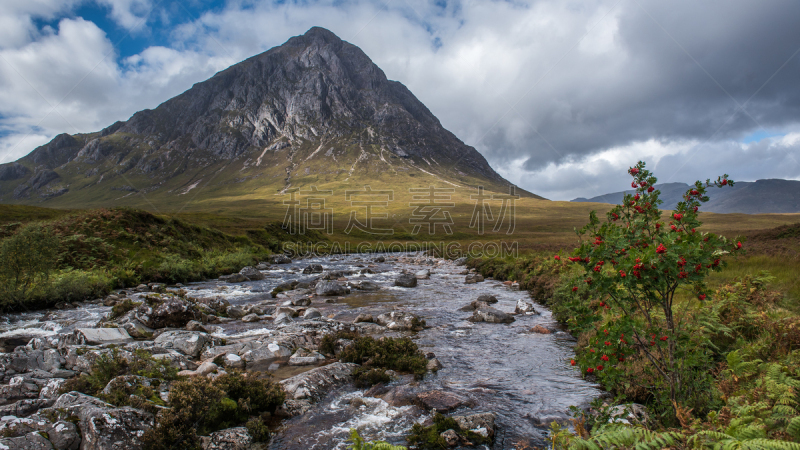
<point>759,197</point>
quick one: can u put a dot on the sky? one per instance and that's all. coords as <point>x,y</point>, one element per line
<point>561,97</point>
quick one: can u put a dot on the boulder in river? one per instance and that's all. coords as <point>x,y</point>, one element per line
<point>331,288</point>
<point>234,278</point>
<point>190,343</point>
<point>313,268</point>
<point>490,315</point>
<point>400,320</point>
<point>312,313</point>
<point>487,298</point>
<point>364,285</point>
<point>100,336</point>
<point>441,401</point>
<point>363,317</point>
<point>279,259</point>
<point>303,357</point>
<point>252,273</point>
<point>406,280</point>
<point>171,312</point>
<point>236,312</point>
<point>524,307</point>
<point>266,354</point>
<point>482,424</point>
<point>316,383</point>
<point>460,261</point>
<point>473,278</point>
<point>423,274</point>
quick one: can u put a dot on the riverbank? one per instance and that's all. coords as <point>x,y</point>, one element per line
<point>506,378</point>
<point>744,366</point>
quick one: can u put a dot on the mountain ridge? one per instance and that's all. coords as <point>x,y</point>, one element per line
<point>315,110</point>
<point>748,197</point>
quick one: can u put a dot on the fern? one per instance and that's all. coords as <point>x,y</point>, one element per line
<point>621,436</point>
<point>360,444</point>
<point>722,441</point>
<point>794,428</point>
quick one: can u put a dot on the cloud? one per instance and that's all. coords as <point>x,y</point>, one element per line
<point>671,161</point>
<point>129,14</point>
<point>557,95</point>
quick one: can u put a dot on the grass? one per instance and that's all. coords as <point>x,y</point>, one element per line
<point>99,250</point>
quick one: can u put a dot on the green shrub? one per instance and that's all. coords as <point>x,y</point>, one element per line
<point>28,257</point>
<point>327,345</point>
<point>109,365</point>
<point>399,354</point>
<point>429,438</point>
<point>365,377</point>
<point>200,405</point>
<point>122,308</point>
<point>358,443</point>
<point>258,430</point>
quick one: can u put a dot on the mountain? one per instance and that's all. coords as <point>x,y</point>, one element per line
<point>758,197</point>
<point>313,111</point>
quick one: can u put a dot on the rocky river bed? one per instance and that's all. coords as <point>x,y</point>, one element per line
<point>502,361</point>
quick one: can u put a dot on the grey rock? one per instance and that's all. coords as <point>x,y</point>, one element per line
<point>194,325</point>
<point>303,357</point>
<point>483,423</point>
<point>629,413</point>
<point>487,298</point>
<point>252,273</point>
<point>303,301</point>
<point>31,441</point>
<point>460,261</point>
<point>434,365</point>
<point>331,288</point>
<point>190,343</point>
<point>234,278</point>
<point>364,317</point>
<point>172,312</point>
<point>490,315</point>
<point>251,318</point>
<point>441,401</point>
<point>316,383</point>
<point>24,408</point>
<point>364,286</point>
<point>228,439</point>
<point>265,354</point>
<point>406,280</point>
<point>279,259</point>
<point>312,313</point>
<point>473,278</point>
<point>102,425</point>
<point>100,336</point>
<point>236,312</point>
<point>313,268</point>
<point>400,320</point>
<point>524,307</point>
<point>137,329</point>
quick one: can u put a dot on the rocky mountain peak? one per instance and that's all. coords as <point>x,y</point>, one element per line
<point>315,108</point>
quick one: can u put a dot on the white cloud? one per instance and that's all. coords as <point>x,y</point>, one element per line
<point>594,86</point>
<point>129,14</point>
